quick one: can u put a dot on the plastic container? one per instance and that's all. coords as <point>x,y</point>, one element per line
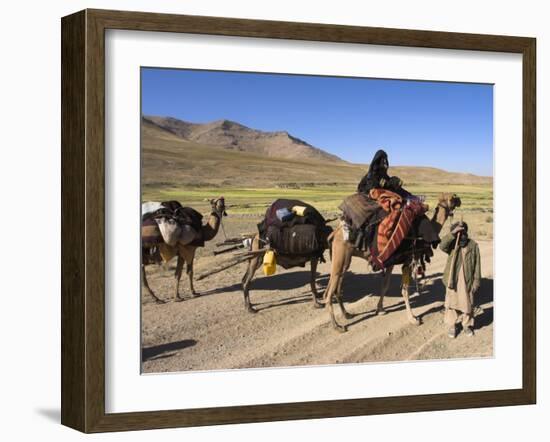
<point>270,263</point>
<point>299,210</point>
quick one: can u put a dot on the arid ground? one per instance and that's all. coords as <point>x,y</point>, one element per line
<point>214,331</point>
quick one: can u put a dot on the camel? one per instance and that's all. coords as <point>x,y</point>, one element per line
<point>287,261</point>
<point>342,252</point>
<point>186,252</point>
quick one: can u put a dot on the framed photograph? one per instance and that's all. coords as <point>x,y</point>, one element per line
<point>267,221</point>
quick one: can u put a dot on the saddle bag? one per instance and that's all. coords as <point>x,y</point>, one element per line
<point>169,229</point>
<point>359,209</point>
<point>300,239</point>
<point>150,233</point>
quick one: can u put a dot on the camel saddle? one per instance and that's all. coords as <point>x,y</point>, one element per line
<point>360,210</point>
<point>182,215</point>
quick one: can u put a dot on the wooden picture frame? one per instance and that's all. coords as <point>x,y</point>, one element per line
<point>83,220</point>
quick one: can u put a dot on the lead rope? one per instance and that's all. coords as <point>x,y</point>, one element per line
<point>220,216</point>
<point>223,228</point>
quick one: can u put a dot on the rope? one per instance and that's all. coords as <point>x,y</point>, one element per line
<point>220,216</point>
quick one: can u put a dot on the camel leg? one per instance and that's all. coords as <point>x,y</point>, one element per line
<point>146,284</point>
<point>346,314</point>
<point>179,271</point>
<point>405,280</point>
<point>189,269</point>
<point>339,293</point>
<point>188,254</point>
<point>336,275</point>
<point>384,289</point>
<point>340,328</point>
<point>333,284</point>
<point>314,294</point>
<point>253,265</point>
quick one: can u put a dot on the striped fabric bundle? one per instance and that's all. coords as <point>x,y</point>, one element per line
<point>391,202</point>
<point>395,227</point>
<point>150,233</point>
<point>401,229</point>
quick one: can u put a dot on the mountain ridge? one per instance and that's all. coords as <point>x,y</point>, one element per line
<point>232,135</point>
<point>171,161</point>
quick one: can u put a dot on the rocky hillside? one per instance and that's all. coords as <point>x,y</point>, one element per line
<point>170,160</point>
<point>234,136</point>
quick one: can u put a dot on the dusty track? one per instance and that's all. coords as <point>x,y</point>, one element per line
<point>214,331</point>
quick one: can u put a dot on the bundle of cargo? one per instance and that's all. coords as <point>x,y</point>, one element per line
<point>171,223</point>
<point>381,221</point>
<point>294,228</point>
<point>291,234</point>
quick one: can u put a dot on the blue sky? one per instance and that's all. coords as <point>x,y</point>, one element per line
<point>445,125</point>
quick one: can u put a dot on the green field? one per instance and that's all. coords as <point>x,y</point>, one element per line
<point>174,169</point>
<point>476,209</point>
<point>325,198</point>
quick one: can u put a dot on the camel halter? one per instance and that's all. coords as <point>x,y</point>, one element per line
<point>448,211</point>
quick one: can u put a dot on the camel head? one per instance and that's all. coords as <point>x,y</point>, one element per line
<point>449,202</point>
<point>218,206</point>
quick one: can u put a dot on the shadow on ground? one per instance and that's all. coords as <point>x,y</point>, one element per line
<point>432,293</point>
<point>165,350</point>
<point>280,281</point>
<point>355,287</point>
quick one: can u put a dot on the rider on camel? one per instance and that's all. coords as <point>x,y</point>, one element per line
<point>377,177</point>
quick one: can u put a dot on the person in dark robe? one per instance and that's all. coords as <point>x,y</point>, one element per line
<point>377,177</point>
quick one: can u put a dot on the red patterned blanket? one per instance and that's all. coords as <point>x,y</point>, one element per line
<point>395,226</point>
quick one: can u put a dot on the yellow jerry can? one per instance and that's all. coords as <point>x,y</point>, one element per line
<point>299,210</point>
<point>270,263</point>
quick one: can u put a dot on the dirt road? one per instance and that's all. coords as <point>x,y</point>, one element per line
<point>214,331</point>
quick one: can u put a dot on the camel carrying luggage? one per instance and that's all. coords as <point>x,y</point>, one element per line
<point>381,221</point>
<point>300,235</point>
<point>170,223</point>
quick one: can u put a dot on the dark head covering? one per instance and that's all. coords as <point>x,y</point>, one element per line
<point>378,170</point>
<point>463,235</point>
<point>460,223</point>
<point>379,164</point>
